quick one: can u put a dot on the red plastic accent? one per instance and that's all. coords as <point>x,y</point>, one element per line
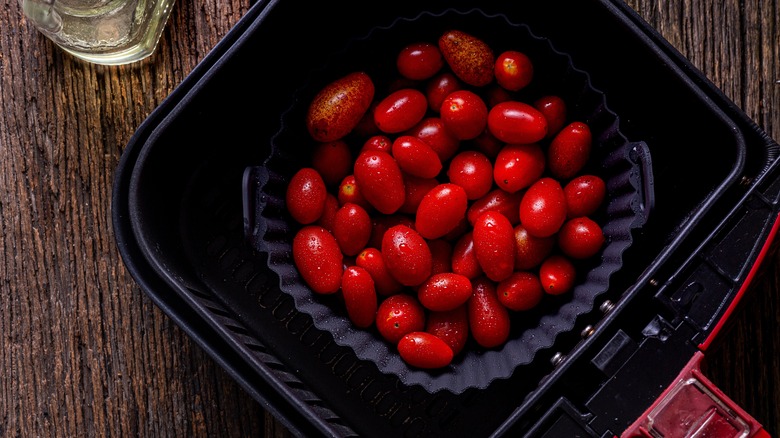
<point>719,325</point>
<point>693,407</point>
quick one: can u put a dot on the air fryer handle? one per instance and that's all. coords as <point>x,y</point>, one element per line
<point>642,178</point>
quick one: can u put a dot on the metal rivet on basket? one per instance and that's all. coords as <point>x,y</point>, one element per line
<point>557,359</point>
<point>746,181</point>
<point>606,306</point>
<point>587,331</point>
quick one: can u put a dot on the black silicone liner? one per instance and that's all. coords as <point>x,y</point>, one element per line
<point>624,165</point>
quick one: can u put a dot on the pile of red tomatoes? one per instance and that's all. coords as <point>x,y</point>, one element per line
<point>442,206</point>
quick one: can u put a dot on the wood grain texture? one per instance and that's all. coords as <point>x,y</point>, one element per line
<point>83,352</point>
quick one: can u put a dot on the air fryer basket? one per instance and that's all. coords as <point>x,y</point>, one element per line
<point>625,166</point>
<point>182,206</point>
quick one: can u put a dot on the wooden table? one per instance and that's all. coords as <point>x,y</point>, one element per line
<point>84,352</point>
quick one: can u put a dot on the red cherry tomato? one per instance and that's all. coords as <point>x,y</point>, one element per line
<point>339,107</point>
<point>516,123</point>
<point>357,289</point>
<point>518,166</point>
<point>584,195</point>
<point>464,113</point>
<point>543,207</point>
<point>406,255</point>
<point>473,171</point>
<point>349,191</point>
<point>554,110</point>
<point>371,260</point>
<point>400,110</point>
<point>424,350</point>
<point>352,228</point>
<point>489,320</point>
<point>520,291</point>
<point>416,157</point>
<point>530,250</point>
<point>452,326</point>
<point>464,259</point>
<point>438,87</point>
<point>419,61</point>
<point>557,274</point>
<point>508,204</point>
<point>333,160</point>
<point>569,150</point>
<point>318,258</point>
<point>305,195</point>
<point>580,237</point>
<point>444,291</point>
<point>469,57</point>
<point>398,315</point>
<point>494,245</point>
<point>432,131</point>
<point>514,70</point>
<point>378,142</point>
<point>441,210</point>
<point>416,188</point>
<point>380,180</point>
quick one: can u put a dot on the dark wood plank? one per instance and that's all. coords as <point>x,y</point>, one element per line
<point>83,352</point>
<point>737,46</point>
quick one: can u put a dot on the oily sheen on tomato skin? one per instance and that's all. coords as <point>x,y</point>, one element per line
<point>305,196</point>
<point>580,238</point>
<point>424,350</point>
<point>415,157</point>
<point>400,110</point>
<point>441,210</point>
<point>513,70</point>
<point>419,61</point>
<point>380,180</point>
<point>398,315</point>
<point>407,255</point>
<point>584,195</point>
<point>520,291</point>
<point>569,150</point>
<point>360,299</point>
<point>517,166</point>
<point>318,258</point>
<point>517,123</point>
<point>494,245</point>
<point>444,291</point>
<point>464,113</point>
<point>471,170</point>
<point>543,207</point>
<point>352,228</point>
<point>557,274</point>
<point>489,320</point>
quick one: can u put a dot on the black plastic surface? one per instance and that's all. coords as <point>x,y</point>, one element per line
<point>178,218</point>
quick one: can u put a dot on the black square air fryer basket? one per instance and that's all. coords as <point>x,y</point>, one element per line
<point>194,215</point>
